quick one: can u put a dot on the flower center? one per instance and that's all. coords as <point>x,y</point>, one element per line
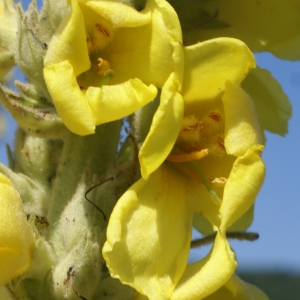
<point>197,139</point>
<point>100,73</point>
<point>208,133</point>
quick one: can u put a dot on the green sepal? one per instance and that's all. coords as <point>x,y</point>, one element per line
<point>34,34</point>
<point>29,191</point>
<point>33,116</point>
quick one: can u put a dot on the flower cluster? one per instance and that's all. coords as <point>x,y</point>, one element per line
<point>192,157</point>
<point>200,169</point>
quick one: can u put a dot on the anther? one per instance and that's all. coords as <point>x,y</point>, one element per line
<point>102,29</point>
<point>196,155</point>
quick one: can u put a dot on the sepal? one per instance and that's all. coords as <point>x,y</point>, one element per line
<point>31,112</point>
<point>35,30</point>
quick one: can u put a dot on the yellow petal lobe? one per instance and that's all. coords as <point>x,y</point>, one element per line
<point>209,64</point>
<point>16,239</point>
<point>197,281</point>
<point>119,14</point>
<point>271,25</point>
<point>269,100</point>
<point>165,127</point>
<point>68,99</point>
<point>242,130</point>
<point>248,171</point>
<point>69,42</point>
<point>141,248</point>
<point>113,102</point>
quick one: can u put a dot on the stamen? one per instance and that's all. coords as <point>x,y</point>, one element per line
<point>196,155</point>
<point>104,69</point>
<point>102,29</point>
<point>215,116</point>
<point>219,182</point>
<point>99,35</point>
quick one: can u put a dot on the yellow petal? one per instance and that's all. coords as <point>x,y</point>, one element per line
<point>241,290</point>
<point>8,35</point>
<point>139,296</point>
<point>165,128</point>
<point>236,289</point>
<point>295,4</point>
<point>69,42</point>
<point>119,14</point>
<point>113,102</point>
<point>204,277</point>
<point>242,130</point>
<point>201,224</point>
<point>68,99</point>
<point>5,294</point>
<point>242,187</point>
<point>244,221</point>
<point>148,235</point>
<point>16,239</point>
<point>271,104</point>
<point>209,64</point>
<point>201,202</point>
<point>147,52</point>
<point>257,294</point>
<point>271,25</point>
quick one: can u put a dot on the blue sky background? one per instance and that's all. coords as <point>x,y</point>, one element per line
<point>277,213</point>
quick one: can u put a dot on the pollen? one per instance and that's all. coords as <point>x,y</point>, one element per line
<point>218,182</point>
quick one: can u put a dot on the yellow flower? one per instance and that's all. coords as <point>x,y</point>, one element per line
<point>233,289</point>
<point>236,289</point>
<point>106,58</point>
<point>270,25</point>
<point>8,35</point>
<point>214,169</point>
<point>148,241</point>
<point>16,239</point>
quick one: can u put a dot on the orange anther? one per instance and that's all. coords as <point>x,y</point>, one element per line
<point>196,155</point>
